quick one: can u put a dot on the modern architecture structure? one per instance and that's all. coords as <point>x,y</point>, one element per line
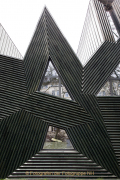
<point>91,122</point>
<point>96,31</point>
<point>7,47</point>
<point>116,7</point>
<point>112,6</point>
<point>101,25</point>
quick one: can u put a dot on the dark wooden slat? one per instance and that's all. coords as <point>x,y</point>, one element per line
<point>100,67</point>
<point>89,140</point>
<point>23,135</point>
<point>62,161</point>
<point>37,56</point>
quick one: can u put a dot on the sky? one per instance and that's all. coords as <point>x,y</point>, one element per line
<point>20,17</point>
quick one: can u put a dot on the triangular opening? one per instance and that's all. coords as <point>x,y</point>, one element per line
<point>52,84</point>
<point>112,86</point>
<point>57,139</point>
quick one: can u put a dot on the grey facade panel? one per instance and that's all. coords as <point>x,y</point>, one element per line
<point>7,47</point>
<point>96,30</point>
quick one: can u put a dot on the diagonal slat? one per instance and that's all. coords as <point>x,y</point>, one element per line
<point>37,56</point>
<point>100,67</point>
<point>23,135</point>
<point>89,140</point>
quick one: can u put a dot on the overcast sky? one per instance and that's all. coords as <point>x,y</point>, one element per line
<point>19,18</point>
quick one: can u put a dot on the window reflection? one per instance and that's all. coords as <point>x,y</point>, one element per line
<point>52,84</point>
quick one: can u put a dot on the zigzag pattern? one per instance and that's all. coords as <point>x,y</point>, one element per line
<point>26,114</point>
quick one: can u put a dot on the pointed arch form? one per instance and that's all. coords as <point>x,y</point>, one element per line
<point>47,42</point>
<point>84,120</point>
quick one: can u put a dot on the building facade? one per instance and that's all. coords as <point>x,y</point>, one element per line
<point>91,122</point>
<point>7,47</point>
<point>98,28</point>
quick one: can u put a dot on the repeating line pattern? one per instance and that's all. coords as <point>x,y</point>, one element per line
<point>100,67</point>
<point>116,7</point>
<point>96,31</point>
<point>22,136</point>
<point>36,56</point>
<point>110,108</point>
<point>26,114</point>
<point>60,164</point>
<point>7,47</point>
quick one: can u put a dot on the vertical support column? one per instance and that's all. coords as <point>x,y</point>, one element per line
<point>108,7</point>
<point>115,20</point>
